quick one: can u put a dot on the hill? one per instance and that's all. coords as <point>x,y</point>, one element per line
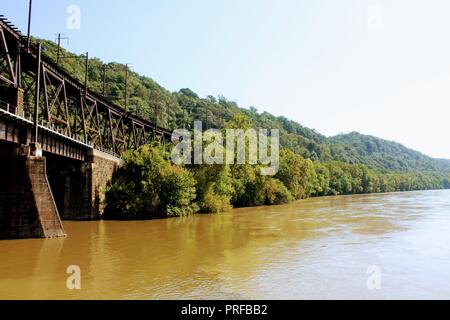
<point>179,110</point>
<point>383,154</point>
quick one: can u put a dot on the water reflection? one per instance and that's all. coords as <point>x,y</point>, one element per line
<point>317,248</point>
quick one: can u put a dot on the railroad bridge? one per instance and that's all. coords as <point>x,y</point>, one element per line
<point>59,142</point>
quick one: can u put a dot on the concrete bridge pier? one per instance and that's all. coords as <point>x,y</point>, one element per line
<point>37,192</point>
<point>79,187</point>
<point>27,206</point>
<point>99,171</point>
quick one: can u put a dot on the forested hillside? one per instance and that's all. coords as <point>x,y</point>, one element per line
<point>179,110</point>
<point>384,154</point>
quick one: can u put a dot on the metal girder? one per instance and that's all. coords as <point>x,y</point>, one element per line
<point>91,121</point>
<point>117,129</point>
<point>8,64</point>
<point>139,135</point>
<point>20,131</point>
<point>55,96</point>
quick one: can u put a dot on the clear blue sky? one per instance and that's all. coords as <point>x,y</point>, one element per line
<point>377,67</point>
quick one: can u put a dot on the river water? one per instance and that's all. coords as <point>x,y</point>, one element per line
<point>390,246</point>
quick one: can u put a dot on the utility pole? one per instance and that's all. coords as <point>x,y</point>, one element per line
<point>58,55</point>
<point>206,117</point>
<point>105,69</point>
<point>126,87</point>
<point>29,24</point>
<point>86,76</point>
<point>59,48</point>
<point>37,98</point>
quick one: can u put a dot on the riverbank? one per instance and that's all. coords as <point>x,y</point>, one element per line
<point>148,185</point>
<point>300,201</point>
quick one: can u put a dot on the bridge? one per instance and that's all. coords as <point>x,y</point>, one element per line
<point>59,141</point>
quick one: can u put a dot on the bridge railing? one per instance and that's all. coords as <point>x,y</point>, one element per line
<point>12,110</point>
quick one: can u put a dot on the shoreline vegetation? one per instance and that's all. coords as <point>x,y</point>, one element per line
<point>149,186</point>
<point>311,164</point>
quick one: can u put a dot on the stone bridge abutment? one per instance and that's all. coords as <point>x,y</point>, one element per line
<point>38,191</point>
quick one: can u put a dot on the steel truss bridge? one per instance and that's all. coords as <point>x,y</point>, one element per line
<point>40,102</point>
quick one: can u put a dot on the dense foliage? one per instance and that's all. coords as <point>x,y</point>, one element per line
<point>148,185</point>
<point>305,178</point>
<point>384,154</point>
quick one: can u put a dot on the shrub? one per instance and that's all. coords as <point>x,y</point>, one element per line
<point>276,192</point>
<point>215,188</point>
<point>148,185</point>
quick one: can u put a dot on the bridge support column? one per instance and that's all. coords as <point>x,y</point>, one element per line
<point>79,188</point>
<point>27,207</point>
<point>99,171</point>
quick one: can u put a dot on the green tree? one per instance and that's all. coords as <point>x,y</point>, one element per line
<point>148,185</point>
<point>215,188</point>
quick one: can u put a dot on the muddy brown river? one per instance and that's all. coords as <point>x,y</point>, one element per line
<point>389,246</point>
